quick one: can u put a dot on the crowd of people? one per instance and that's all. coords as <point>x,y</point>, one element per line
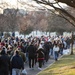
<point>15,52</point>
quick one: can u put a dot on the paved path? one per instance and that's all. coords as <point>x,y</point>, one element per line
<point>36,70</point>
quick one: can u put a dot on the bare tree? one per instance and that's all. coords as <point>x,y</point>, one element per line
<point>62,12</point>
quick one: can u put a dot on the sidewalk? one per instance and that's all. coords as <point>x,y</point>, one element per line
<point>36,70</point>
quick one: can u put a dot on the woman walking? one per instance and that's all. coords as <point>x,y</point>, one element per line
<point>40,56</point>
<point>56,51</point>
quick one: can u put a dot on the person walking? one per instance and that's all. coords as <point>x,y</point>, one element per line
<point>31,55</point>
<point>47,49</point>
<point>40,56</point>
<point>17,64</point>
<point>56,51</point>
<point>4,63</point>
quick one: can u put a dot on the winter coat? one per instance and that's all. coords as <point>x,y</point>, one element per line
<point>31,51</point>
<point>40,54</point>
<point>22,55</point>
<point>17,62</point>
<point>4,62</point>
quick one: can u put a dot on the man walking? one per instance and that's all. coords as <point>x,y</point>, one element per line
<point>17,64</point>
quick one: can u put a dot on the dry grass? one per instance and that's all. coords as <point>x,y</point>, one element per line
<point>64,66</point>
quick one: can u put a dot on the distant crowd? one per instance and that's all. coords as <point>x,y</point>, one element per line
<point>15,52</point>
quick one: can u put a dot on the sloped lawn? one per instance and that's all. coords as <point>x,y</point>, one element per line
<point>64,66</point>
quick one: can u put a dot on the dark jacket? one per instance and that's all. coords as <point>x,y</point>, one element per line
<point>31,51</point>
<point>17,62</point>
<point>46,47</point>
<point>4,63</point>
<point>40,54</point>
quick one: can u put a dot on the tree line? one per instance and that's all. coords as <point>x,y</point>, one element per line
<point>44,20</point>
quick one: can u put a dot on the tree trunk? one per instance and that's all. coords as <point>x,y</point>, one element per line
<point>72,49</point>
<point>72,44</point>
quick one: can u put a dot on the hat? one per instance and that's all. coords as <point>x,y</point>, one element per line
<point>9,46</point>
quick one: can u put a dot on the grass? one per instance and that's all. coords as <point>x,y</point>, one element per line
<point>64,66</point>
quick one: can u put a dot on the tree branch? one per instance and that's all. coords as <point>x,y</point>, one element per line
<point>58,9</point>
<point>68,2</point>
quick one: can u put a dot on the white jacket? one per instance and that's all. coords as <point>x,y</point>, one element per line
<point>55,48</point>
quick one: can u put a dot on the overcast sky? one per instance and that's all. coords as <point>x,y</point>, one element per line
<point>14,2</point>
